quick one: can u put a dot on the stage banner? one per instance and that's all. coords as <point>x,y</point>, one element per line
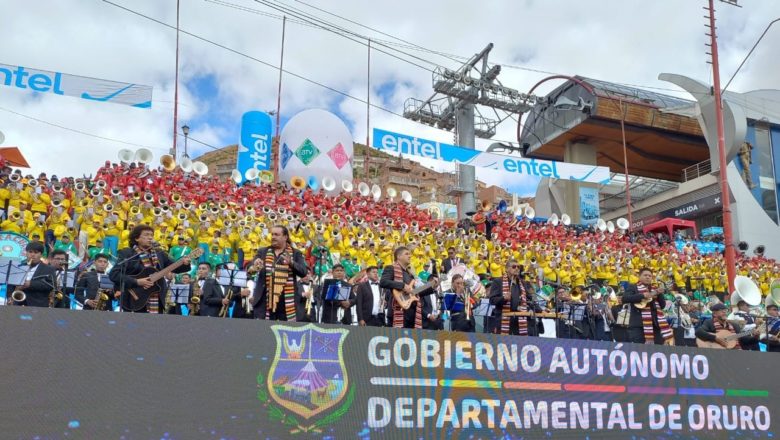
<point>589,205</point>
<point>410,145</point>
<point>316,144</point>
<point>92,89</point>
<point>119,375</point>
<point>254,146</point>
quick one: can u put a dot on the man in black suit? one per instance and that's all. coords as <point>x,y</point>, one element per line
<point>39,278</point>
<point>637,293</point>
<point>139,257</point>
<point>403,317</point>
<point>432,312</point>
<point>287,263</point>
<point>58,259</point>
<point>451,260</point>
<point>369,300</point>
<point>509,290</point>
<point>215,296</point>
<point>239,294</point>
<point>88,285</point>
<point>330,308</point>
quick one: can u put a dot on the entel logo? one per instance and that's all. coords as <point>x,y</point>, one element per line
<point>411,146</point>
<point>38,82</point>
<point>259,155</point>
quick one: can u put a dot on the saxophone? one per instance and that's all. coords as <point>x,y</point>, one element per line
<point>56,294</point>
<point>101,298</point>
<point>195,301</point>
<point>169,302</point>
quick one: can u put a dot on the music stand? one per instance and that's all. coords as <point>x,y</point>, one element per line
<point>571,314</point>
<point>451,303</point>
<point>181,293</point>
<point>106,284</point>
<point>335,291</point>
<point>232,278</point>
<point>14,274</point>
<point>69,279</point>
<point>485,310</point>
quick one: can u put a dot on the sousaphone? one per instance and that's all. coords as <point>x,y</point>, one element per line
<point>298,182</point>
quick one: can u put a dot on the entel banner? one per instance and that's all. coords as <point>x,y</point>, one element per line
<point>91,89</point>
<point>409,145</point>
<point>254,146</point>
<point>286,380</point>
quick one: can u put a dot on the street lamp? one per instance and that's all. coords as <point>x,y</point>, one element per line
<point>186,130</point>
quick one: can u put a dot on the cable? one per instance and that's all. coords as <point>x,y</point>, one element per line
<point>222,46</point>
<point>345,32</point>
<point>79,131</point>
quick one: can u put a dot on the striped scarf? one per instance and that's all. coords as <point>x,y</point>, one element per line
<point>728,326</point>
<point>153,305</point>
<point>398,311</point>
<point>148,258</point>
<point>522,323</point>
<point>647,321</point>
<point>283,281</point>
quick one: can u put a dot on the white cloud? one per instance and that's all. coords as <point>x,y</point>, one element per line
<point>616,40</point>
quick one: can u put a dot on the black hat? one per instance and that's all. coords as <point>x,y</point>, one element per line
<point>718,306</point>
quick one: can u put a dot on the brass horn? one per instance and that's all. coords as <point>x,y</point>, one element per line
<point>168,162</point>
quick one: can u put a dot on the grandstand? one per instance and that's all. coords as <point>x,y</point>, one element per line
<point>230,222</point>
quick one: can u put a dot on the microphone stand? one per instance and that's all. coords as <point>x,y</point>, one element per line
<point>318,284</point>
<point>122,273</point>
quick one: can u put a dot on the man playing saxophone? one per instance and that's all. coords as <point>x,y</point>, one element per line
<point>196,291</point>
<point>38,279</point>
<point>88,290</point>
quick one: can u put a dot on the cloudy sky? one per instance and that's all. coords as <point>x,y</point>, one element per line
<point>624,41</point>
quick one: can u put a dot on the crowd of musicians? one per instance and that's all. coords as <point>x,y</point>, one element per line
<point>280,285</point>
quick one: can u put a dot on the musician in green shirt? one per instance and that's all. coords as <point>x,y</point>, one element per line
<point>181,249</point>
<point>98,249</point>
<point>65,244</point>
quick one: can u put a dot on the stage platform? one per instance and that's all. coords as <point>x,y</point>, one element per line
<point>100,375</point>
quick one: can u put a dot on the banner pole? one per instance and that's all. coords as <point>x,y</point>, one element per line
<point>368,112</point>
<point>625,160</point>
<point>275,144</point>
<point>176,85</point>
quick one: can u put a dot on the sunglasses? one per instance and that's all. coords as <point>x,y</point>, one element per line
<point>514,266</point>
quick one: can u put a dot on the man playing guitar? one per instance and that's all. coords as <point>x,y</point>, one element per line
<point>141,257</point>
<point>397,278</point>
<point>710,328</point>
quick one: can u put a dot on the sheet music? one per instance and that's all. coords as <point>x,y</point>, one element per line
<point>239,278</point>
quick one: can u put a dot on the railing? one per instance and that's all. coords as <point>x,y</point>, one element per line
<point>698,170</point>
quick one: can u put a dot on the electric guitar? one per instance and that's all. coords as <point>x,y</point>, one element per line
<point>137,297</point>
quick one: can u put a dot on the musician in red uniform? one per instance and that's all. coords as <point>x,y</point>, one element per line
<point>140,257</point>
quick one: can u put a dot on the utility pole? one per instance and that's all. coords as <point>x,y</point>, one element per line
<point>453,106</point>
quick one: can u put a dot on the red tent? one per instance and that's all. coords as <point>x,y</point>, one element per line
<point>13,157</point>
<point>669,225</point>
